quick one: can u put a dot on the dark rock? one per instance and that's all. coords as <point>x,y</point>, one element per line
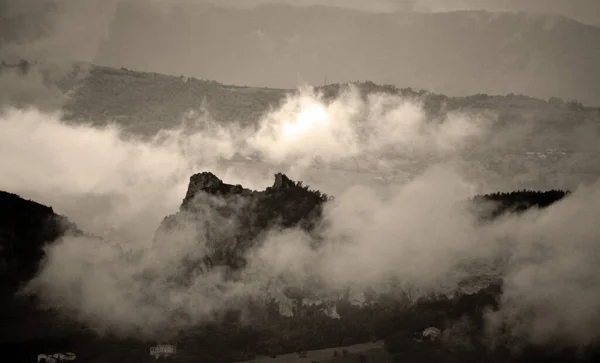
<point>208,182</point>
<point>282,182</point>
<point>232,218</point>
<point>25,228</point>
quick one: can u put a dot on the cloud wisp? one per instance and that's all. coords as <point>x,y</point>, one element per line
<point>419,232</point>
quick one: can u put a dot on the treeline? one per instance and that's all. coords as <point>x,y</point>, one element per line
<point>518,201</point>
<point>436,103</point>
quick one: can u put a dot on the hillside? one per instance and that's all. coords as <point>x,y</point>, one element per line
<point>145,103</point>
<point>267,332</point>
<point>532,143</point>
<point>455,53</point>
<point>25,228</point>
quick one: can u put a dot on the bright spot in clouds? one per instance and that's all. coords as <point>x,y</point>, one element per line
<point>313,118</point>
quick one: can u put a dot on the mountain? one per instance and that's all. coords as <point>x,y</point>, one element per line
<point>455,53</point>
<point>302,320</point>
<point>29,329</point>
<point>244,214</point>
<point>247,214</point>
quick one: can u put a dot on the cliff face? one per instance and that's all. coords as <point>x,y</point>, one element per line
<point>228,219</point>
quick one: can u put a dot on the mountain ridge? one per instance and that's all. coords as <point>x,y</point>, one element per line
<point>452,53</point>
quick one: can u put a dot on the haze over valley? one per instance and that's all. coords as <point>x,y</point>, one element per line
<point>408,181</point>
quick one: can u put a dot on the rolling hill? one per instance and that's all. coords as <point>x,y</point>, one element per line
<point>533,143</point>
<point>456,53</point>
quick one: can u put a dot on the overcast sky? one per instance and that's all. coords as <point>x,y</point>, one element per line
<point>583,10</point>
<point>26,19</point>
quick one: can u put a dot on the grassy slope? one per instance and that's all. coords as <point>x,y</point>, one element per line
<point>147,102</point>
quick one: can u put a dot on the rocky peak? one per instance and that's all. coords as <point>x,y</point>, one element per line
<point>208,182</point>
<point>205,181</point>
<point>282,182</point>
<point>248,213</point>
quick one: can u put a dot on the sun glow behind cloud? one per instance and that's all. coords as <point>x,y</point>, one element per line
<point>314,118</point>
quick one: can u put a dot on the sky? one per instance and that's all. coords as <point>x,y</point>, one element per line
<point>89,19</point>
<point>583,10</point>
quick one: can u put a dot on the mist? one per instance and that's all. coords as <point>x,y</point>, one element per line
<point>55,31</point>
<point>418,233</point>
<point>102,177</point>
<point>20,90</point>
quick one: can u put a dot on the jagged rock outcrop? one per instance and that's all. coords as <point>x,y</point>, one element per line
<point>283,182</point>
<point>207,182</point>
<point>229,219</point>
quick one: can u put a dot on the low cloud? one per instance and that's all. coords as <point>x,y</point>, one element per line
<point>20,89</point>
<point>418,233</point>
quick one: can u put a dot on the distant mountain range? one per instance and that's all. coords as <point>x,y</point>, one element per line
<point>454,53</point>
